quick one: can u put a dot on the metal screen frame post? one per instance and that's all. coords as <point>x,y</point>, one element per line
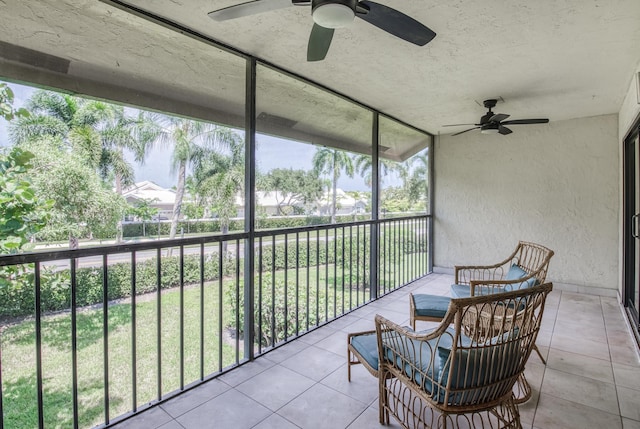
<point>375,194</point>
<point>249,207</point>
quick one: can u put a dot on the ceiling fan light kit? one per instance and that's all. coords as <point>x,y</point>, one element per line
<point>330,14</point>
<point>490,129</point>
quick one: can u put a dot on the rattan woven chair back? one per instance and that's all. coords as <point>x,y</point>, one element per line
<point>462,373</point>
<point>530,257</point>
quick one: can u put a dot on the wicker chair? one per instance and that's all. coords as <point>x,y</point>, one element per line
<point>525,267</point>
<point>462,373</point>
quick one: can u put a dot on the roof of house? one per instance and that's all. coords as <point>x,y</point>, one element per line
<point>149,191</point>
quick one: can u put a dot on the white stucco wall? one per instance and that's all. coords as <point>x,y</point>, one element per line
<point>554,184</point>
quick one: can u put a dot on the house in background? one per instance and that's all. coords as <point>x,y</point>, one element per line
<point>157,197</point>
<point>345,204</point>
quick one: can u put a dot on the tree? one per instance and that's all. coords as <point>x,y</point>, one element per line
<point>95,130</point>
<point>294,189</point>
<point>84,207</point>
<point>363,166</point>
<point>7,111</point>
<point>22,212</point>
<point>332,162</point>
<point>219,179</point>
<point>192,142</point>
<point>417,183</point>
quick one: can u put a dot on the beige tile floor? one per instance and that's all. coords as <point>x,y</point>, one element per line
<point>591,380</point>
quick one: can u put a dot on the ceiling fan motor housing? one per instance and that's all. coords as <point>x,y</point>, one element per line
<point>333,13</point>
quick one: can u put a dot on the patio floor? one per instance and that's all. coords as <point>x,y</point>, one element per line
<point>591,380</point>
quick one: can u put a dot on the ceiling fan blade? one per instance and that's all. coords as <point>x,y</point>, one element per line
<point>462,132</point>
<point>319,42</point>
<point>526,121</point>
<point>394,22</point>
<point>460,125</point>
<point>498,117</point>
<point>248,8</point>
<point>504,130</point>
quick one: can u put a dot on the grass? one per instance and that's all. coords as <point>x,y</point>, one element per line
<point>19,385</point>
<point>18,359</point>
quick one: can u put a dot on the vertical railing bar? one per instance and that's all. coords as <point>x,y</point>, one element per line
<point>286,286</point>
<point>403,251</point>
<point>220,305</point>
<point>159,320</point>
<point>273,290</point>
<point>419,260</point>
<point>351,266</point>
<point>396,252</point>
<point>105,334</point>
<point>297,283</point>
<point>411,232</point>
<point>414,261</point>
<point>238,302</point>
<point>364,264</point>
<point>134,333</point>
<point>181,273</point>
<point>326,275</point>
<point>342,270</point>
<point>38,309</point>
<point>317,276</point>
<point>387,256</point>
<point>383,238</point>
<point>308,313</point>
<point>202,311</point>
<point>358,266</point>
<point>393,247</point>
<point>74,343</point>
<point>401,255</point>
<point>259,339</point>
<point>335,272</point>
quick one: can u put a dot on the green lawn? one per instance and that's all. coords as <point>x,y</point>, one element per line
<point>18,359</point>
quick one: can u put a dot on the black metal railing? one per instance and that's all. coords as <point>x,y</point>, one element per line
<point>106,332</point>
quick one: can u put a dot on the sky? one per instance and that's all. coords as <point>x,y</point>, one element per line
<point>271,152</point>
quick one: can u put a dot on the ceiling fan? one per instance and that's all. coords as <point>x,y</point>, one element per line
<point>330,14</point>
<point>494,123</point>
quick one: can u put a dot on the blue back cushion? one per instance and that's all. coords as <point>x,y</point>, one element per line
<point>515,273</point>
<point>478,367</point>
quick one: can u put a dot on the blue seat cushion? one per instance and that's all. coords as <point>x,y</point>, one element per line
<point>367,347</point>
<point>431,305</point>
<point>460,291</point>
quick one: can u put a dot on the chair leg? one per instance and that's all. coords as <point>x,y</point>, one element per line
<point>535,347</point>
<point>348,363</point>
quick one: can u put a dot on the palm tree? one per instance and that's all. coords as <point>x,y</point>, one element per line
<point>120,132</point>
<point>363,166</point>
<point>417,180</point>
<point>98,131</point>
<point>332,162</point>
<point>192,142</point>
<point>219,178</point>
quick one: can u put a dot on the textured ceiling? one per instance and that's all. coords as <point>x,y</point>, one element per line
<point>555,59</point>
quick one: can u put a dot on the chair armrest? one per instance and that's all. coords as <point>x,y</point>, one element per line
<point>403,352</point>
